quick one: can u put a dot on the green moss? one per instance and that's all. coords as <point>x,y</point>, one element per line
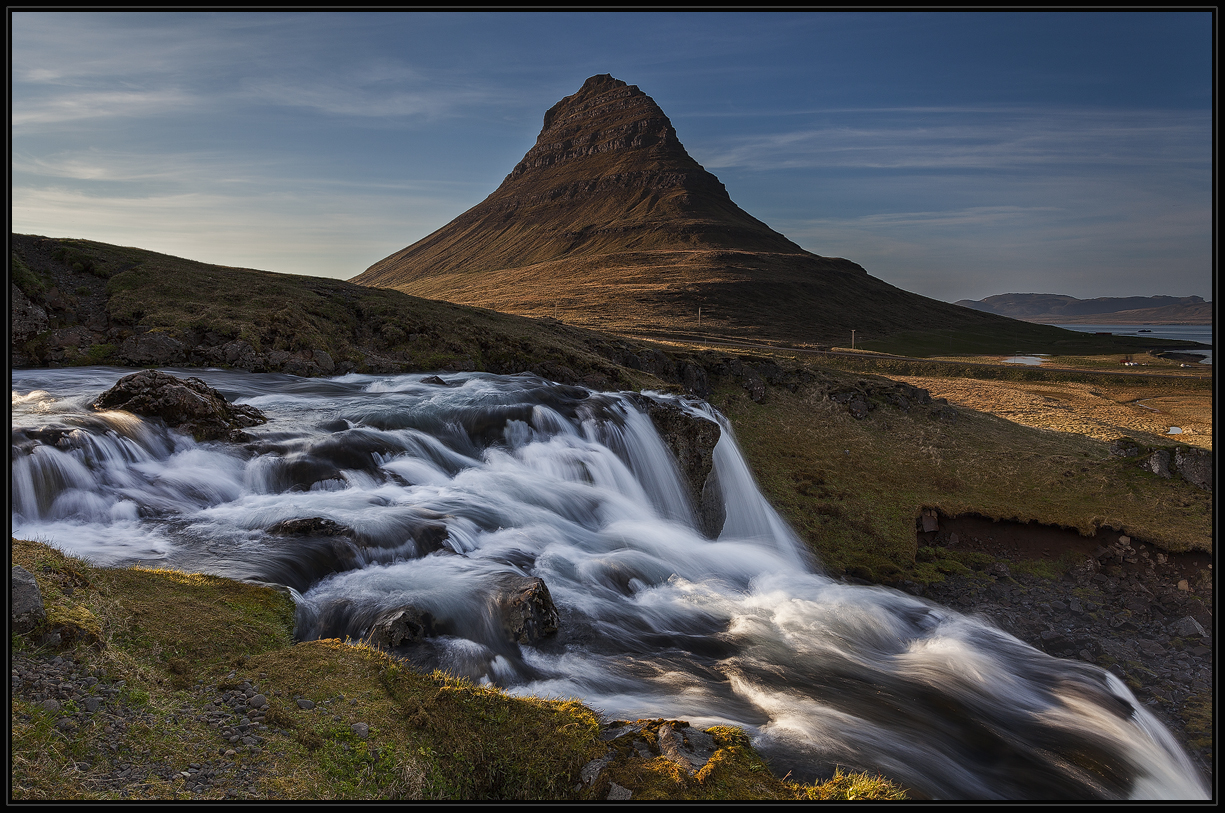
<point>98,354</point>
<point>32,284</point>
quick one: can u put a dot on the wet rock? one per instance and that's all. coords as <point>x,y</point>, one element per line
<point>403,626</point>
<point>188,405</point>
<point>27,602</point>
<point>309,526</point>
<point>526,608</point>
<point>692,440</point>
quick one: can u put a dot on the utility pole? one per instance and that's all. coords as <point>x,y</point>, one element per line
<point>852,340</point>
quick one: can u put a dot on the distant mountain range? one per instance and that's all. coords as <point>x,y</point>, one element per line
<point>1056,309</point>
<point>607,222</point>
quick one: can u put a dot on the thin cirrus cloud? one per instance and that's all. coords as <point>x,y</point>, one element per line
<point>368,96</point>
<point>983,139</point>
<point>76,105</point>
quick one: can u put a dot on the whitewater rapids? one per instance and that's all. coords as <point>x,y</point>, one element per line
<point>532,478</point>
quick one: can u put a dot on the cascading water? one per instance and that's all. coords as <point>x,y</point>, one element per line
<point>432,494</point>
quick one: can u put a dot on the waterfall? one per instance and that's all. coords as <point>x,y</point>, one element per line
<point>370,494</point>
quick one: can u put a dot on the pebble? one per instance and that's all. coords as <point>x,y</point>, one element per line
<point>118,763</point>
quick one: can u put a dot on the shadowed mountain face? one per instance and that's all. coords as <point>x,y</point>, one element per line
<point>608,222</point>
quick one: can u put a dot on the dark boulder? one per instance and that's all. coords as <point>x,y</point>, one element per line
<point>188,405</point>
<point>526,608</point>
<point>152,348</point>
<point>403,626</point>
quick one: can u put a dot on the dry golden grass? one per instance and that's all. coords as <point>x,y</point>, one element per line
<point>1101,411</point>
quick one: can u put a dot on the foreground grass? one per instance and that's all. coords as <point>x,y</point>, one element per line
<point>176,640</point>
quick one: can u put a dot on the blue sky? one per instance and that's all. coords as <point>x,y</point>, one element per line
<point>956,155</point>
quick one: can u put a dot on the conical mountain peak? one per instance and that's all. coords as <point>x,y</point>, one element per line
<point>607,174</point>
<point>608,221</point>
<point>605,116</point>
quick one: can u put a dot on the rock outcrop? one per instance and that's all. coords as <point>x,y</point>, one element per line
<point>27,603</point>
<point>188,405</point>
<point>692,440</point>
<point>1195,465</point>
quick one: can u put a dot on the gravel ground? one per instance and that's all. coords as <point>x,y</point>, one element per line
<point>90,706</point>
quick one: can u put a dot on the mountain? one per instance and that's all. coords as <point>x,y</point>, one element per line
<point>608,222</point>
<point>1129,310</point>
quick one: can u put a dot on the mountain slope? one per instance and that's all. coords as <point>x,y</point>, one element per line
<point>608,222</point>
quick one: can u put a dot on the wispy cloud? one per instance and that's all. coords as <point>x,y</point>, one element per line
<point>377,91</point>
<point>78,106</point>
<point>960,139</point>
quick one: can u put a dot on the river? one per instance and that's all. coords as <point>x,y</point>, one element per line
<point>518,477</point>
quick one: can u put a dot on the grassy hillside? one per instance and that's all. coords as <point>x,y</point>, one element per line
<point>102,300</point>
<point>855,488</point>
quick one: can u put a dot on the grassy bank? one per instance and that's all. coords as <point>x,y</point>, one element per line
<point>854,488</point>
<point>164,649</point>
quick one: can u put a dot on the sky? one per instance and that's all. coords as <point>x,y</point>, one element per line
<point>955,155</point>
